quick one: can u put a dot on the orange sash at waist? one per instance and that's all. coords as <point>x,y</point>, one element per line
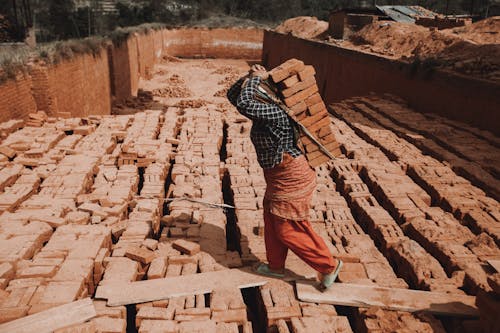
<point>290,186</point>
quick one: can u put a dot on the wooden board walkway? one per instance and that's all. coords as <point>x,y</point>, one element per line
<point>185,285</point>
<point>390,298</point>
<point>50,320</point>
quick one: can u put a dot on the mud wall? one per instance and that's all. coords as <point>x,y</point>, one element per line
<point>343,73</point>
<point>80,87</point>
<point>236,43</point>
<point>137,57</point>
<point>125,69</point>
<point>16,100</point>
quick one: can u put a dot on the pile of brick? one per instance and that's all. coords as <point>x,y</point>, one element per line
<point>224,311</point>
<point>8,127</point>
<point>62,271</point>
<point>461,254</point>
<point>29,145</point>
<point>332,219</point>
<point>118,199</point>
<point>37,119</point>
<point>140,146</point>
<point>299,91</point>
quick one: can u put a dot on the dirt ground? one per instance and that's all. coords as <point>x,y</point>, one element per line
<point>304,27</point>
<point>471,50</point>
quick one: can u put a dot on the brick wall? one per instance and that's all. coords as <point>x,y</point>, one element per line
<point>235,43</point>
<point>125,69</point>
<point>16,100</point>
<point>146,54</point>
<point>158,43</point>
<point>343,73</point>
<point>80,87</point>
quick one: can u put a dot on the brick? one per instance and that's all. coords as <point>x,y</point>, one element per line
<point>154,326</point>
<point>324,122</point>
<point>202,326</point>
<point>307,73</point>
<point>186,246</point>
<point>228,316</point>
<point>319,107</point>
<point>192,314</point>
<point>290,82</point>
<point>151,244</point>
<point>298,108</point>
<point>293,100</point>
<point>141,255</point>
<point>12,313</point>
<point>227,328</point>
<point>157,269</point>
<point>313,119</point>
<point>321,324</point>
<point>61,292</point>
<point>286,69</point>
<point>8,152</point>
<point>330,138</point>
<point>153,313</point>
<point>78,328</point>
<point>110,325</point>
<point>6,271</point>
<point>319,160</point>
<point>298,87</point>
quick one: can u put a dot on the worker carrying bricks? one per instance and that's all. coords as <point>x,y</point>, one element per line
<point>290,181</point>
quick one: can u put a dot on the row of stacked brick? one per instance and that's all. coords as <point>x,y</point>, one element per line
<point>138,183</point>
<point>453,244</point>
<point>481,148</point>
<point>453,193</point>
<point>462,254</point>
<point>192,235</point>
<point>53,252</point>
<point>333,220</point>
<point>470,154</point>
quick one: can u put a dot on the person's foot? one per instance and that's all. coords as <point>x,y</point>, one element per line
<point>328,279</point>
<point>263,269</point>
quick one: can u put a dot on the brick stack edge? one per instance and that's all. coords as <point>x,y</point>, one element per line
<point>298,89</point>
<point>488,304</point>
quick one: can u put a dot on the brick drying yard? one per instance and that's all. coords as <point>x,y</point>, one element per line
<point>411,204</point>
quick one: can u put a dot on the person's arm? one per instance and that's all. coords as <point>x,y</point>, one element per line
<point>250,107</point>
<point>234,91</point>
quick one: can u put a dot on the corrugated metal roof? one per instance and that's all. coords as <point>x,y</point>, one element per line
<point>405,13</point>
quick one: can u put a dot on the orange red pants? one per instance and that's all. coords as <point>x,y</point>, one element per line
<point>281,234</point>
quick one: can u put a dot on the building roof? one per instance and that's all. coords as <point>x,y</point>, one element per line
<point>406,13</point>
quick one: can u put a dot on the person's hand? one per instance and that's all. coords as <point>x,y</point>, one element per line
<point>260,71</point>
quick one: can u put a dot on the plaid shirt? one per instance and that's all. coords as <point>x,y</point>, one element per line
<point>272,131</point>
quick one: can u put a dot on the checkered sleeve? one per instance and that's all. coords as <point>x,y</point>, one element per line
<point>250,107</point>
<point>234,91</point>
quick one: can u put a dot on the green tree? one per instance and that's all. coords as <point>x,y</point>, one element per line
<point>61,19</point>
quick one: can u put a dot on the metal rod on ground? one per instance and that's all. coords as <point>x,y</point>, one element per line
<point>222,206</point>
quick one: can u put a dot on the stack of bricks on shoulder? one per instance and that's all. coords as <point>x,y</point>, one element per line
<point>297,88</point>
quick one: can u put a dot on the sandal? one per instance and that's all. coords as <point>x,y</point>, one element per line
<point>328,279</point>
<point>263,269</point>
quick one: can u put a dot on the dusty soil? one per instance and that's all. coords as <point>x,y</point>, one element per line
<point>303,27</point>
<point>471,50</point>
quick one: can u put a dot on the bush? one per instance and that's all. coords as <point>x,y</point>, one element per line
<point>13,60</point>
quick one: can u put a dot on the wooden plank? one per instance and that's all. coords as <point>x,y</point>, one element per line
<point>194,284</point>
<point>495,264</point>
<point>50,320</point>
<point>390,298</point>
